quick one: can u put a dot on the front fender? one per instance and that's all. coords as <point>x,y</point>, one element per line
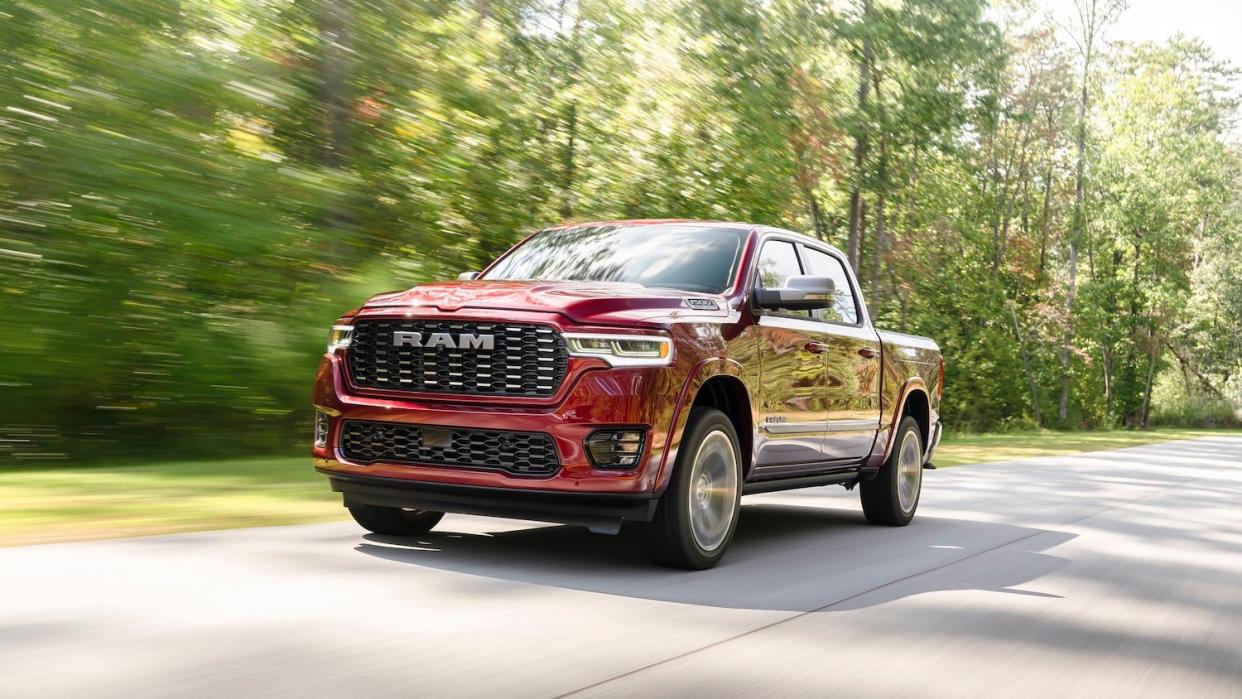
<point>701,373</point>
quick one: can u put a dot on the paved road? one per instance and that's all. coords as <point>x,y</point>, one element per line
<point>1112,573</point>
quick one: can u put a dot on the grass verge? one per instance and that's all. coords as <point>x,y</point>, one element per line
<point>43,505</point>
<point>973,449</point>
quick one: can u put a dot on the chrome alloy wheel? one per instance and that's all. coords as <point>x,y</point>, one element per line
<point>909,472</point>
<point>713,490</point>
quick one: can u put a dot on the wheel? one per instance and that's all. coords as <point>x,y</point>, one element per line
<point>394,521</point>
<point>893,495</point>
<point>697,514</point>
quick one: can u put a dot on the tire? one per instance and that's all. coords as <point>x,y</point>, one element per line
<point>697,515</point>
<point>892,497</point>
<point>394,521</point>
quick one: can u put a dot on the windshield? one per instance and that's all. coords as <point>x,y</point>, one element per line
<point>691,258</point>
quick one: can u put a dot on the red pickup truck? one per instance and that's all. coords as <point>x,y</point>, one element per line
<point>626,371</point>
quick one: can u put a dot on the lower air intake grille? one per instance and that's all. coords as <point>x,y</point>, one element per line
<point>515,453</point>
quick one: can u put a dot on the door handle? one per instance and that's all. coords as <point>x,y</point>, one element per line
<point>815,347</point>
<point>869,352</point>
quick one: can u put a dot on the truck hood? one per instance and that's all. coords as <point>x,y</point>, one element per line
<point>604,303</point>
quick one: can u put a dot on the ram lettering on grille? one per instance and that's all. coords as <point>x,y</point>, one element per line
<point>472,358</point>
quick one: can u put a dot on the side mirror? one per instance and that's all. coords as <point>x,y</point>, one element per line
<point>800,293</point>
<point>467,276</point>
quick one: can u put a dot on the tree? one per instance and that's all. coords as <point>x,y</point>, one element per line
<point>1094,16</point>
<point>192,190</point>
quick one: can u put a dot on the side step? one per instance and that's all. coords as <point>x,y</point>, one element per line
<point>775,484</point>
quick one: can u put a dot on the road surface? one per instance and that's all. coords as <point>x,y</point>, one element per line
<point>1102,574</point>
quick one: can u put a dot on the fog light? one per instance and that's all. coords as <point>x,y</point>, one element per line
<point>615,449</point>
<point>321,428</point>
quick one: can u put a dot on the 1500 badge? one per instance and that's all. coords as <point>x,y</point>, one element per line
<point>703,304</point>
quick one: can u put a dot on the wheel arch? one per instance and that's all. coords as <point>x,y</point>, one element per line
<point>918,406</point>
<point>715,383</point>
<point>914,401</point>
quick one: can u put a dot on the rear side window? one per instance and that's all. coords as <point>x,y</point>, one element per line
<point>844,309</point>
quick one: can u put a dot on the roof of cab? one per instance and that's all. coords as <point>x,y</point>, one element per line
<point>636,222</point>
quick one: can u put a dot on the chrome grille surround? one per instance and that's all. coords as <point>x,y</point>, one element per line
<point>527,359</point>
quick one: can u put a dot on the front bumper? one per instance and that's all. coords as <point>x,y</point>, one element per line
<point>593,396</point>
<point>599,511</point>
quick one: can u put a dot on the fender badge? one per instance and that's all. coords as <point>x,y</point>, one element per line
<point>703,304</point>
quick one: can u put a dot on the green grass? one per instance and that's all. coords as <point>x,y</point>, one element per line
<point>972,449</point>
<point>41,504</point>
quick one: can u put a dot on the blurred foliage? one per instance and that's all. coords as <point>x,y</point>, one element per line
<point>192,190</point>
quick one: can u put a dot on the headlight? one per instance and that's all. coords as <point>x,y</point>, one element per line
<point>622,350</point>
<point>340,337</point>
<point>321,428</point>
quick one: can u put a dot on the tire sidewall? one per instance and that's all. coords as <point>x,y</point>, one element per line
<point>704,422</point>
<point>909,430</point>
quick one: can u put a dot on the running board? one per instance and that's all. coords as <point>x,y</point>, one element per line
<point>775,484</point>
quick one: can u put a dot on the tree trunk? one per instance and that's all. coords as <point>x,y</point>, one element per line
<point>334,69</point>
<point>1107,363</point>
<point>856,206</point>
<point>1007,214</point>
<point>862,222</point>
<point>567,181</point>
<point>1203,229</point>
<point>482,10</point>
<point>568,154</point>
<point>1132,325</point>
<point>878,255</point>
<point>1078,223</point>
<point>1186,385</point>
<point>1000,221</point>
<point>1043,223</point>
<point>817,215</point>
<point>1026,365</point>
<point>860,145</point>
<point>1151,371</point>
<point>881,201</point>
<point>1187,365</point>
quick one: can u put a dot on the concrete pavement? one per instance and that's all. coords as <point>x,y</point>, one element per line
<point>1103,574</point>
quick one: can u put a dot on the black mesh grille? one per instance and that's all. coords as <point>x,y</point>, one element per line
<point>517,453</point>
<point>525,359</point>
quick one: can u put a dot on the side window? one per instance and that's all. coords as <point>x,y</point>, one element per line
<point>777,263</point>
<point>821,264</point>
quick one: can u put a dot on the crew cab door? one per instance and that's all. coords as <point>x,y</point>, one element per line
<point>853,371</point>
<point>793,410</point>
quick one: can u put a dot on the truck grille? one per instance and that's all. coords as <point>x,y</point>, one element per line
<point>515,453</point>
<point>525,359</point>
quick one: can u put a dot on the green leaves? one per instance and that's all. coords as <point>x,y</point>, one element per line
<point>190,192</point>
